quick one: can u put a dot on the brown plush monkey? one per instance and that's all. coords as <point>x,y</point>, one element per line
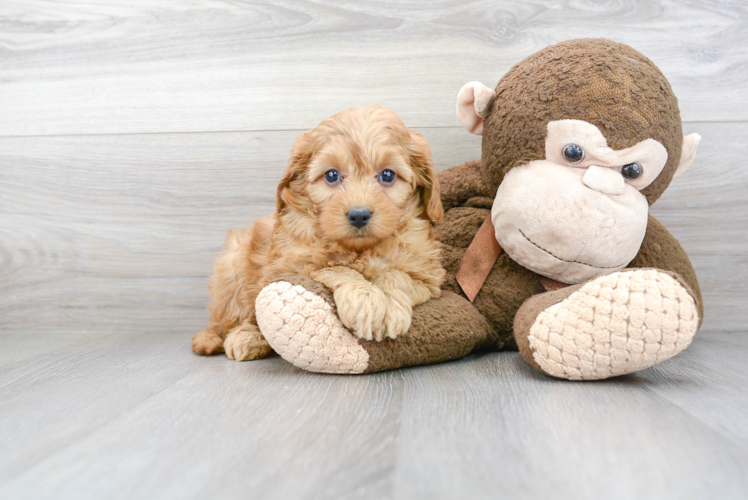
<point>548,235</point>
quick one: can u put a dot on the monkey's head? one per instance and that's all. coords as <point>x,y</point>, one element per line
<point>578,140</point>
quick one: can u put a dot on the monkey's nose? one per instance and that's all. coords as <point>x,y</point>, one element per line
<point>604,179</point>
<point>359,216</point>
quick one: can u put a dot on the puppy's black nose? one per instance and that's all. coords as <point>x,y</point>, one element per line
<point>359,216</point>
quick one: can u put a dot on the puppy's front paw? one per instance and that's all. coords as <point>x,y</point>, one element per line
<point>361,308</point>
<point>207,342</point>
<point>398,315</point>
<point>245,342</point>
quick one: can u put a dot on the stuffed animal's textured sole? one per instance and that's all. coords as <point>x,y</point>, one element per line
<point>305,331</point>
<point>613,325</point>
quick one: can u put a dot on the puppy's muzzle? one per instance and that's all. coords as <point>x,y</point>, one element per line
<point>359,216</point>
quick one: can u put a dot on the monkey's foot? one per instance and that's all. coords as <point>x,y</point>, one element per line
<point>613,325</point>
<point>303,328</point>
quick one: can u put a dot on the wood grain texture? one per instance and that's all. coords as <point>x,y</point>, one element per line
<point>137,416</point>
<point>120,232</point>
<point>223,65</point>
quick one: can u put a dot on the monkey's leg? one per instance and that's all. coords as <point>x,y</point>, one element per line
<point>660,250</point>
<point>297,316</point>
<point>612,325</point>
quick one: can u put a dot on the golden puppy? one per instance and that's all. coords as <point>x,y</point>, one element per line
<point>354,212</point>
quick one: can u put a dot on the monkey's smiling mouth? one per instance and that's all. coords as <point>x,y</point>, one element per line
<point>568,261</point>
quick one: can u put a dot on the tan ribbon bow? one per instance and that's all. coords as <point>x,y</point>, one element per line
<point>478,260</point>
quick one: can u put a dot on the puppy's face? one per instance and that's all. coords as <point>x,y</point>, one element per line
<point>361,173</point>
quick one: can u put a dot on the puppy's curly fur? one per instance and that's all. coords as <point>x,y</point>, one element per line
<point>377,271</point>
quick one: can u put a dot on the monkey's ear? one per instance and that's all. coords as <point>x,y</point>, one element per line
<point>473,101</point>
<point>688,153</point>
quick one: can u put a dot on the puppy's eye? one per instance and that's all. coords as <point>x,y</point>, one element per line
<point>332,176</point>
<point>632,170</point>
<point>573,153</point>
<point>387,176</point>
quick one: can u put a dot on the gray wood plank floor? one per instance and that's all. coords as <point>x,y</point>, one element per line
<point>134,134</point>
<point>138,416</point>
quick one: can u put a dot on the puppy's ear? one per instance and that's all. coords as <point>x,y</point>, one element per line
<point>426,177</point>
<point>295,178</point>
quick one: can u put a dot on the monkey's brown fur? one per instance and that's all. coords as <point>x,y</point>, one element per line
<point>627,110</point>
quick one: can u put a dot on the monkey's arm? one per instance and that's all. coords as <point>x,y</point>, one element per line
<point>661,250</point>
<point>461,183</point>
<point>299,319</point>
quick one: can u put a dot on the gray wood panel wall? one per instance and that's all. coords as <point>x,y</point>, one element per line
<point>134,134</point>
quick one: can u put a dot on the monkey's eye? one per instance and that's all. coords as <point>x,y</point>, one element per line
<point>332,176</point>
<point>573,153</point>
<point>387,176</point>
<point>631,171</point>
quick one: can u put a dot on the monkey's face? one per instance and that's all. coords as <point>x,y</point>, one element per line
<point>578,213</point>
